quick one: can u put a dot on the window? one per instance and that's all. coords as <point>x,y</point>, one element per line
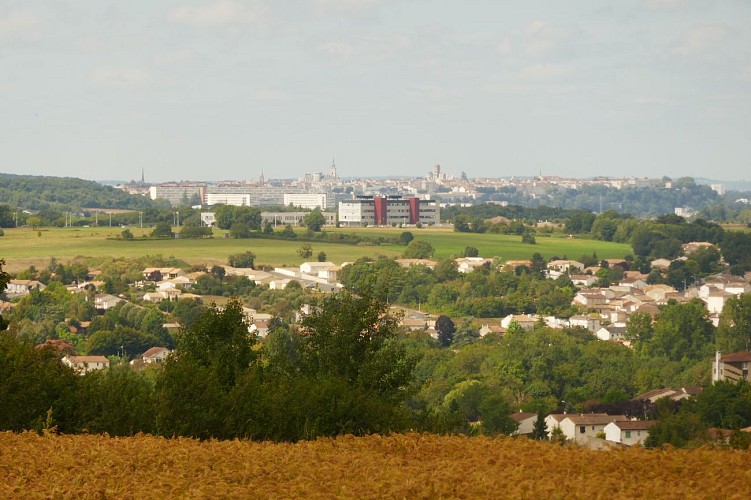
<point>582,429</point>
<point>628,434</point>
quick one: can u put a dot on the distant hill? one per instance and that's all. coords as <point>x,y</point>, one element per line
<point>45,192</point>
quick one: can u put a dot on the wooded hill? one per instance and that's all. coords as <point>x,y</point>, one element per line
<point>46,192</point>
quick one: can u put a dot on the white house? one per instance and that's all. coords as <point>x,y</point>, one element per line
<point>104,301</point>
<point>326,270</point>
<point>85,364</point>
<point>22,287</point>
<point>589,322</point>
<point>526,321</point>
<point>558,267</point>
<point>579,427</point>
<point>469,264</point>
<point>611,332</point>
<point>525,423</point>
<point>552,421</point>
<point>628,432</point>
<point>156,355</point>
<point>583,280</point>
<point>716,300</point>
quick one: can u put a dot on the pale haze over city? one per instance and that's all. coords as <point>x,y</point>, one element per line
<point>226,89</point>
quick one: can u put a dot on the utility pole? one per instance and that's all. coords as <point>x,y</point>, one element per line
<point>140,219</point>
<point>110,219</point>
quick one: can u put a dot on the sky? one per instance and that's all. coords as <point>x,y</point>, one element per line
<point>227,89</point>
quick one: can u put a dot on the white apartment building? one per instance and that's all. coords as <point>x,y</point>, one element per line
<point>236,199</point>
<point>306,200</point>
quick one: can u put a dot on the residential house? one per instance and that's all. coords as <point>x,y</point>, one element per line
<point>678,394</point>
<point>591,322</point>
<point>637,283</point>
<point>326,270</point>
<point>525,423</point>
<point>565,266</point>
<point>525,321</point>
<point>259,327</point>
<point>469,264</point>
<point>413,324</point>
<point>181,283</point>
<point>155,355</point>
<point>733,367</point>
<point>616,262</point>
<point>161,273</point>
<point>660,264</point>
<point>660,292</point>
<point>693,246</point>
<point>552,421</point>
<point>104,301</point>
<point>514,264</point>
<point>579,427</point>
<point>486,329</point>
<point>590,300</point>
<point>583,280</point>
<point>85,364</point>
<point>716,300</point>
<point>611,332</point>
<point>18,288</point>
<point>628,432</point>
<point>430,264</point>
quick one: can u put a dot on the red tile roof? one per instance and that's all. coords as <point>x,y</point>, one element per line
<point>736,357</point>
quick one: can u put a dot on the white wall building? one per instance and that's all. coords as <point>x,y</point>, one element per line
<point>628,432</point>
<point>236,199</point>
<point>306,200</point>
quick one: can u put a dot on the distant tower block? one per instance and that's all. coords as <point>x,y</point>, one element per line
<point>332,172</point>
<point>261,180</point>
<point>142,176</point>
<point>436,171</point>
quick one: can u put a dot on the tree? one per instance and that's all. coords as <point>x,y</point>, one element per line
<point>314,220</point>
<point>305,251</point>
<point>127,234</point>
<point>34,222</point>
<point>239,230</point>
<point>405,238</point>
<point>539,431</point>
<point>445,328</point>
<point>734,330</point>
<point>218,272</point>
<point>683,330</point>
<point>4,279</point>
<point>321,257</point>
<point>418,249</point>
<point>353,338</point>
<point>471,252</point>
<point>529,238</point>
<point>244,259</point>
<point>162,230</point>
<point>639,330</point>
<point>196,232</point>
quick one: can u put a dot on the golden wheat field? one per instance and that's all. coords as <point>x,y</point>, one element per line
<point>399,466</point>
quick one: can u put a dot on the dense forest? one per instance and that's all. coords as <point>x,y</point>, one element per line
<point>30,192</point>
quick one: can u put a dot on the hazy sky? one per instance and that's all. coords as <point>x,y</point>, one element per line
<point>221,89</point>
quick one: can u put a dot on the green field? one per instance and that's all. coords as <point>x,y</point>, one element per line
<point>24,247</point>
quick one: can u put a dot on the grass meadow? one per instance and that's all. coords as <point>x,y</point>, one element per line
<point>23,247</point>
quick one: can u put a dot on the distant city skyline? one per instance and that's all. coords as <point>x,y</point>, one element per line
<point>227,89</point>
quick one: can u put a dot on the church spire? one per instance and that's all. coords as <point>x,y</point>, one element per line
<point>332,172</point>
